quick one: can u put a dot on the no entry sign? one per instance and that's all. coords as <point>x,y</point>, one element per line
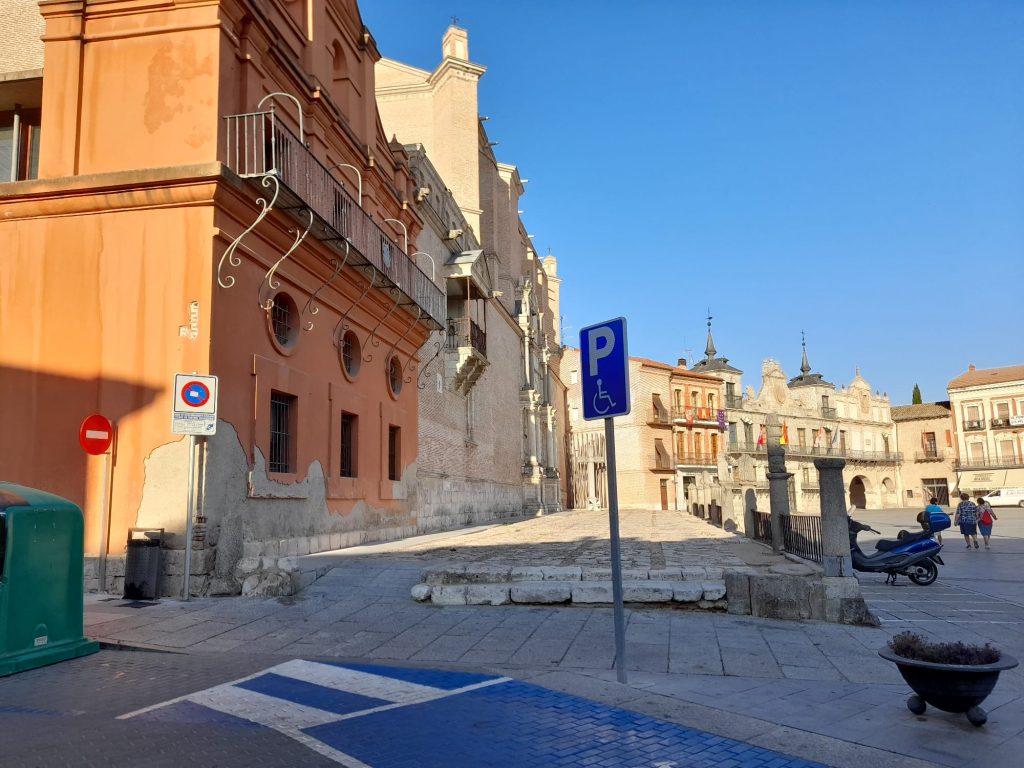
<point>96,434</point>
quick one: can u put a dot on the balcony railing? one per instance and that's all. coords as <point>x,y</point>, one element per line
<point>828,413</point>
<point>463,332</point>
<point>660,416</point>
<point>259,145</point>
<point>696,460</point>
<point>699,415</point>
<point>988,463</point>
<point>973,425</point>
<point>999,422</point>
<point>662,462</point>
<point>734,401</point>
<point>932,454</point>
<point>837,451</point>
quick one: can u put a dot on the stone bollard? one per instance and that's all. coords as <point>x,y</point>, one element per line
<point>840,589</point>
<point>778,491</point>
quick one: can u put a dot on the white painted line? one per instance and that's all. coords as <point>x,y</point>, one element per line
<point>354,681</point>
<point>443,695</point>
<point>188,696</point>
<point>262,708</point>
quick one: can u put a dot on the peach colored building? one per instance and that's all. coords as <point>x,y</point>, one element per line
<point>213,195</point>
<point>925,437</point>
<point>666,448</point>
<point>492,421</point>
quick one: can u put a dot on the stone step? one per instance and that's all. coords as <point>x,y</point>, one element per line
<point>490,573</point>
<point>709,593</point>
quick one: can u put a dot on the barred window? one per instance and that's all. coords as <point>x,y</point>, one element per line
<point>350,353</point>
<point>283,315</point>
<point>348,444</point>
<point>395,375</point>
<point>394,452</point>
<point>282,432</point>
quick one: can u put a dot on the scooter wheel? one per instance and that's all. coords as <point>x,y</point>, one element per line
<point>916,705</point>
<point>923,573</point>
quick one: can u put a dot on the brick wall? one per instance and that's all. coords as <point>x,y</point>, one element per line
<point>21,26</point>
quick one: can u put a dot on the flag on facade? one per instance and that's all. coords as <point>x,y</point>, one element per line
<point>784,437</point>
<point>835,438</point>
<point>819,439</point>
<point>762,436</point>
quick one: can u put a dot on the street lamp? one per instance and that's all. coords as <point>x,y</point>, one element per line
<point>432,268</point>
<point>405,233</point>
<point>298,107</point>
<point>359,176</point>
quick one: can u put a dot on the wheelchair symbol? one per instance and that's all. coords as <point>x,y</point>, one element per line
<point>602,395</point>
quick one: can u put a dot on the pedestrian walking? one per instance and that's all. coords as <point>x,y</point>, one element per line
<point>986,516</point>
<point>967,518</point>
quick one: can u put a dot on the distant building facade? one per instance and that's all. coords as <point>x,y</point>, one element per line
<point>492,413</point>
<point>925,438</point>
<point>988,409</point>
<point>666,448</point>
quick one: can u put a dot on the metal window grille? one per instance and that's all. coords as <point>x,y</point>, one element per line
<point>395,375</point>
<point>281,319</point>
<point>394,447</point>
<point>348,353</point>
<point>348,445</point>
<point>282,412</point>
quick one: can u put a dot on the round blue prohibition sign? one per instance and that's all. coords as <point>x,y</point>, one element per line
<point>195,393</point>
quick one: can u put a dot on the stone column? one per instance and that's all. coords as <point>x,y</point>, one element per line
<point>835,534</point>
<point>778,491</point>
<point>531,435</point>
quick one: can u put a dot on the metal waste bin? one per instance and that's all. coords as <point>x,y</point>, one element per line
<point>142,564</point>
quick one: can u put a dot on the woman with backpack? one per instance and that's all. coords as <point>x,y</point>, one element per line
<point>986,515</point>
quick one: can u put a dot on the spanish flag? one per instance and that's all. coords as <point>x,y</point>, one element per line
<point>784,437</point>
<point>761,437</point>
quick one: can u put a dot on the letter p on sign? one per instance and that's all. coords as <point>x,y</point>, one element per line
<point>605,366</point>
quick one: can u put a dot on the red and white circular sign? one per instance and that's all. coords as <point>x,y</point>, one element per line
<point>96,434</point>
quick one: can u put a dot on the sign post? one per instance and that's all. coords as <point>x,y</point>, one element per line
<point>605,380</point>
<point>194,414</point>
<point>96,435</point>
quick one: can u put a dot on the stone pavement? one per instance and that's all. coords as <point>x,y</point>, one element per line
<point>812,690</point>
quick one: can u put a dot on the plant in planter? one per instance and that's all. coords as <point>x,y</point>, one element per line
<point>953,677</point>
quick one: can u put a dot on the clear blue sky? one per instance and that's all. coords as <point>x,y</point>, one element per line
<point>853,169</point>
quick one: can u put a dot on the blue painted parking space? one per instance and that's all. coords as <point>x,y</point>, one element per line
<point>383,717</point>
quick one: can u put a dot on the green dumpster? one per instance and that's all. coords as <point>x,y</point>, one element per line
<point>41,608</point>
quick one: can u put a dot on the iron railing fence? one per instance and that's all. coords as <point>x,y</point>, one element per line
<point>828,413</point>
<point>734,401</point>
<point>660,416</point>
<point>762,526</point>
<point>258,145</point>
<point>933,454</point>
<point>696,460</point>
<point>988,463</point>
<point>706,415</point>
<point>810,451</point>
<point>463,332</point>
<point>801,535</point>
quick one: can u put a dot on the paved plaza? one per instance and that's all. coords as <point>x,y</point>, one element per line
<point>807,690</point>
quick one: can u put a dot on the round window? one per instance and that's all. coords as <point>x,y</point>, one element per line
<point>395,375</point>
<point>284,321</point>
<point>350,354</point>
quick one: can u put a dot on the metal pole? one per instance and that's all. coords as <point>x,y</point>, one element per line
<point>186,592</point>
<point>613,521</point>
<point>105,522</point>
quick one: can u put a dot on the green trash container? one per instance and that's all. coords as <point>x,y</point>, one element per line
<point>41,606</point>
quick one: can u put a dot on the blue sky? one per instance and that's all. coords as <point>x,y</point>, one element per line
<point>852,169</point>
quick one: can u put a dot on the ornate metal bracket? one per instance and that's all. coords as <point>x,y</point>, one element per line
<point>268,279</point>
<point>438,345</point>
<point>343,320</point>
<point>311,302</point>
<point>266,207</point>
<point>408,363</point>
<point>372,339</point>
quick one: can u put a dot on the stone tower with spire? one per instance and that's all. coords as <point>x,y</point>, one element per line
<point>806,377</point>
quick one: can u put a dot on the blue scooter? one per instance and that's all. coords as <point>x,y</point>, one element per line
<point>911,554</point>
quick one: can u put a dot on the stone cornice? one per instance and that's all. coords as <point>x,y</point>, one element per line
<point>452,66</point>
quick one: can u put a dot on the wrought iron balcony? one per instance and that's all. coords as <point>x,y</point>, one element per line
<point>973,425</point>
<point>989,463</point>
<point>463,332</point>
<point>734,401</point>
<point>262,149</point>
<point>660,416</point>
<point>828,413</point>
<point>885,457</point>
<point>661,462</point>
<point>999,422</point>
<point>695,415</point>
<point>931,454</point>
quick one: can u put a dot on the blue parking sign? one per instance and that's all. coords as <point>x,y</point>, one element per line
<point>605,369</point>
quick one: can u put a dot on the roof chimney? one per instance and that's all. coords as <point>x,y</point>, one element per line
<point>971,367</point>
<point>681,362</point>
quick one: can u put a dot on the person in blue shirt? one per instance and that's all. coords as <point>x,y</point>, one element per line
<point>933,506</point>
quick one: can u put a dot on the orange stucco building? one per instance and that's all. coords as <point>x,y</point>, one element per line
<point>212,189</point>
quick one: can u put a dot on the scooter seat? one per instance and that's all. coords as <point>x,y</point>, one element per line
<point>905,537</point>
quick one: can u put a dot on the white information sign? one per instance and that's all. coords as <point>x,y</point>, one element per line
<point>195,405</point>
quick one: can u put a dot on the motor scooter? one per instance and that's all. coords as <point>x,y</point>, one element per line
<point>911,554</point>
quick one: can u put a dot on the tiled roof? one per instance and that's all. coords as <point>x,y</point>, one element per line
<point>673,368</point>
<point>921,411</point>
<point>988,376</point>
